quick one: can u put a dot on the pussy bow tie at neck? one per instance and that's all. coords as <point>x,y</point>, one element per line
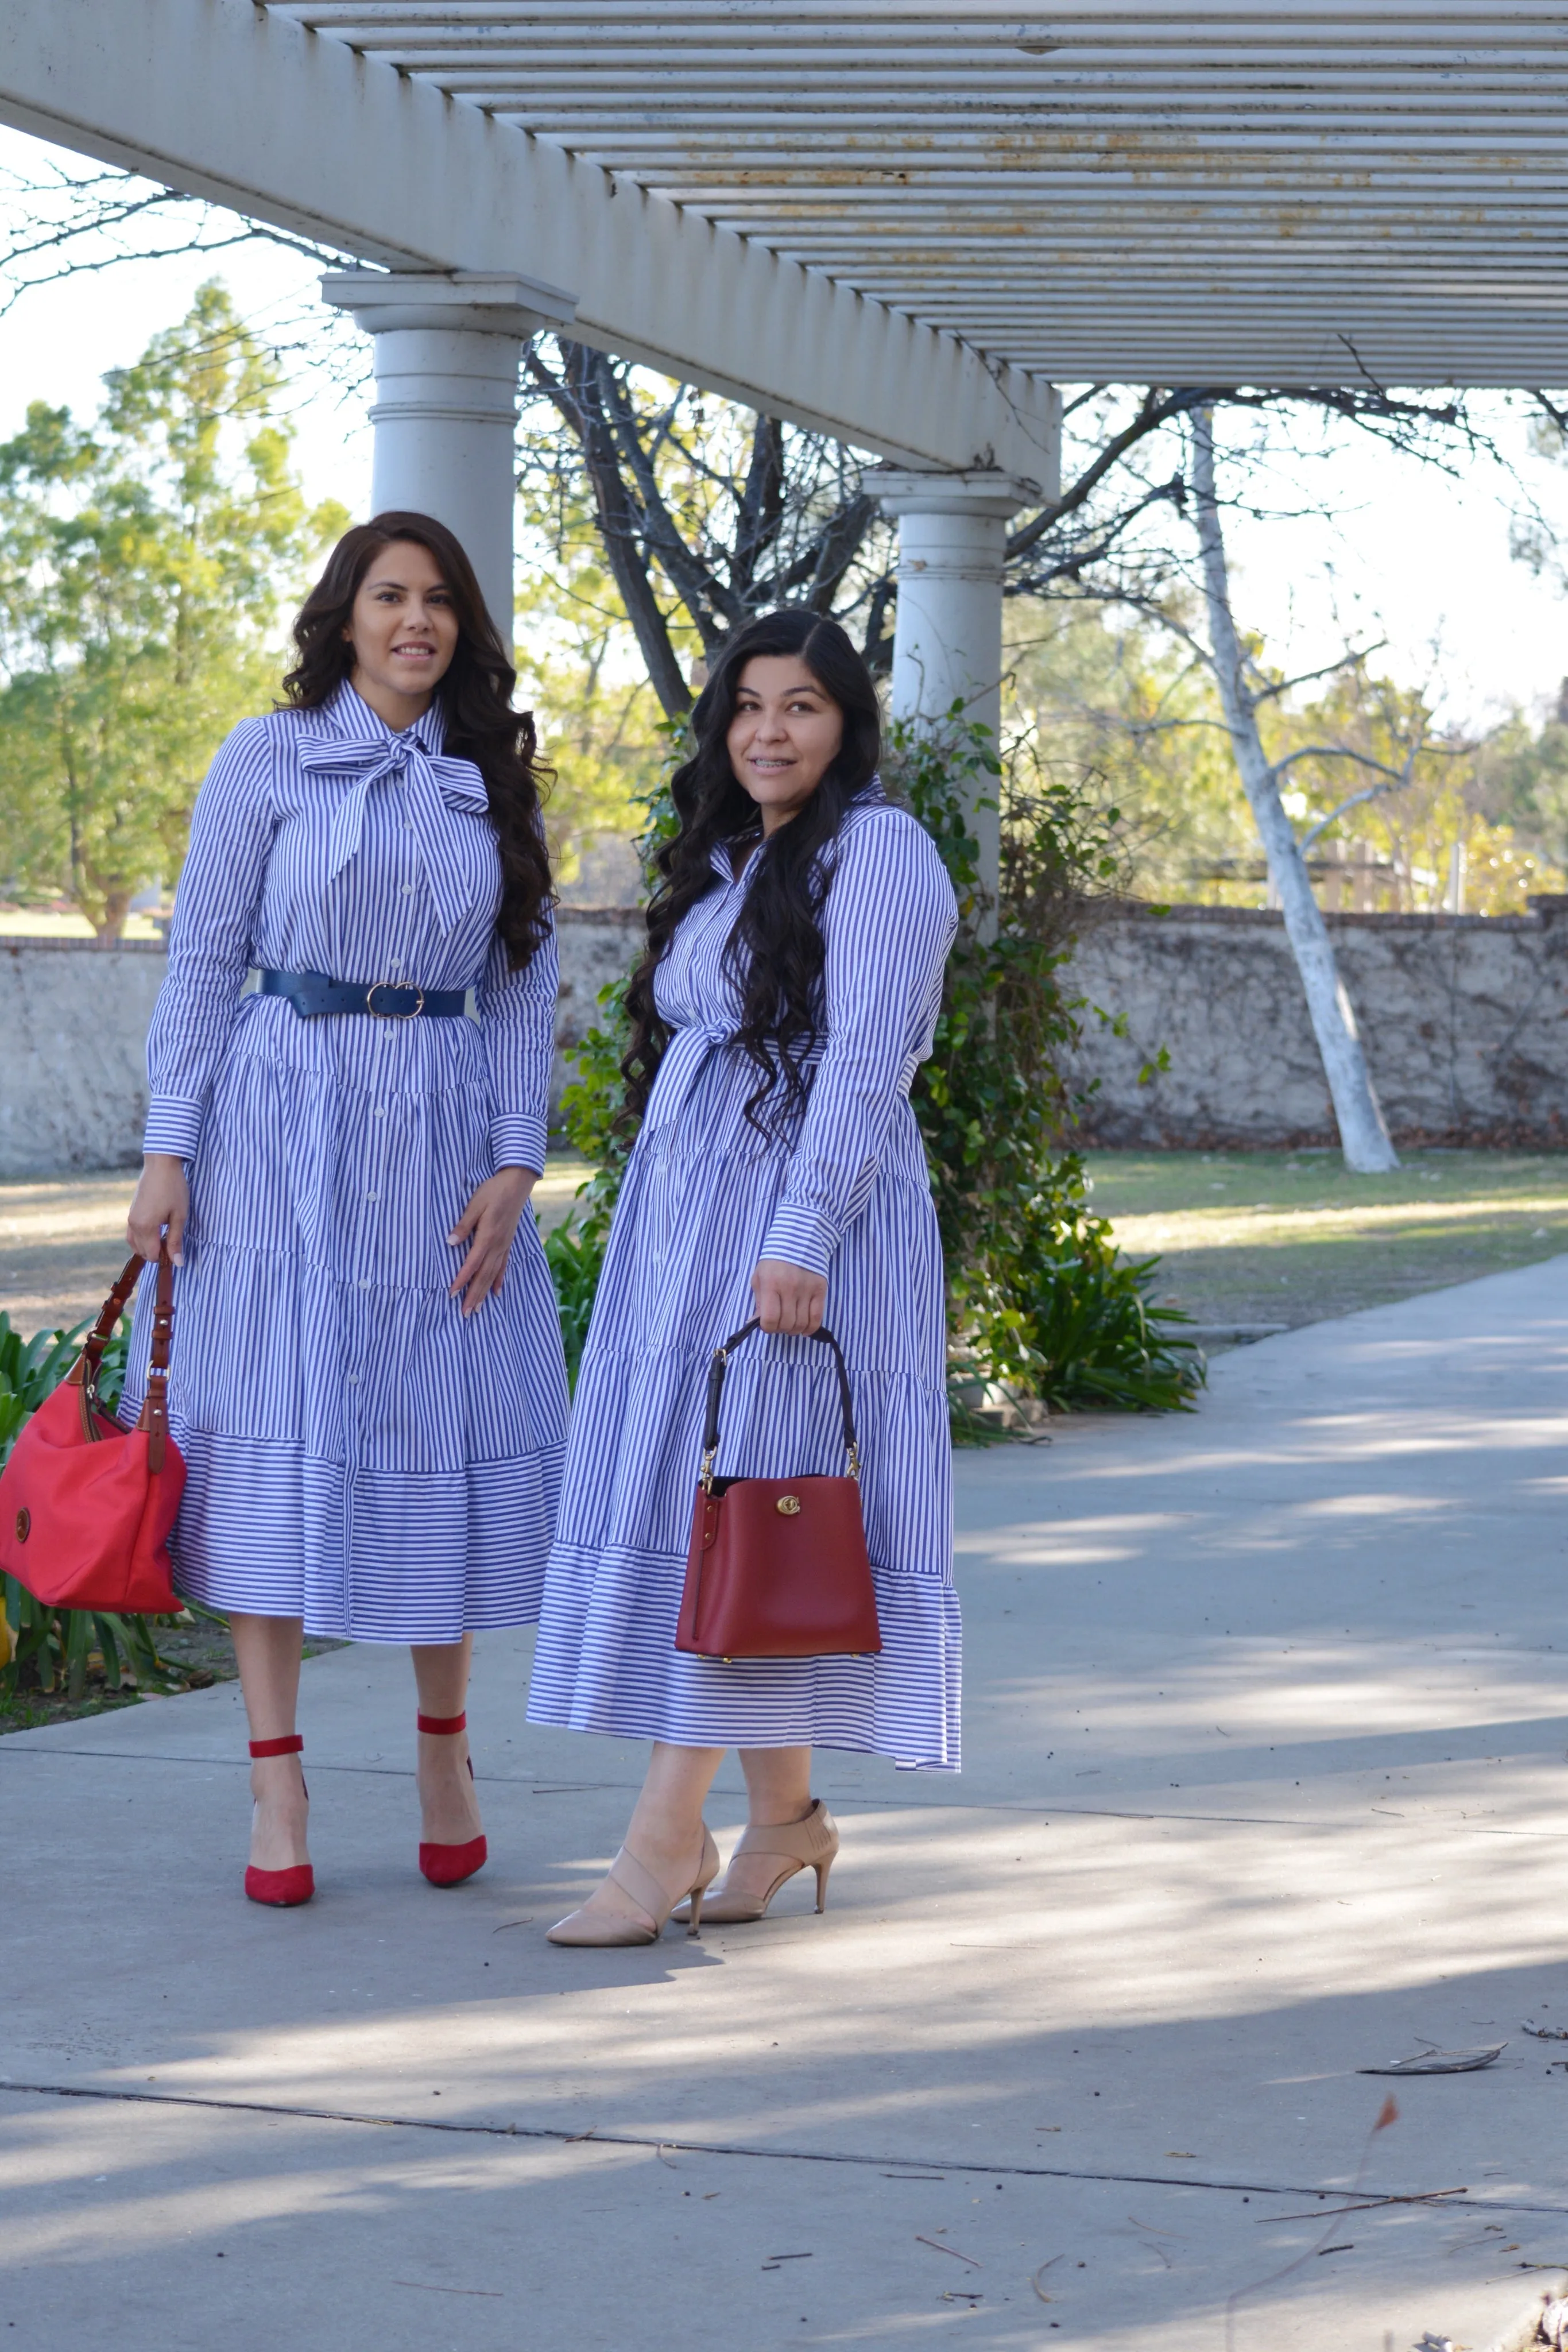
<point>430,779</point>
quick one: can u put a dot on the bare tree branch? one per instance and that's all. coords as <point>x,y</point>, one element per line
<point>69,217</point>
<point>1155,409</point>
<point>618,525</point>
<point>1270,689</point>
<point>733,518</point>
<point>1370,792</point>
<point>1343,751</point>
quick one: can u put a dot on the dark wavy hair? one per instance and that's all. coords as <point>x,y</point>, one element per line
<point>774,951</point>
<point>475,698</point>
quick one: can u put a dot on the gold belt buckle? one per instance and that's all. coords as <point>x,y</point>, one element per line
<point>373,992</point>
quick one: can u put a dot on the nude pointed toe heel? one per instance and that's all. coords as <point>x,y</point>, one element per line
<point>809,1844</point>
<point>281,1890</point>
<point>449,1866</point>
<point>585,1930</point>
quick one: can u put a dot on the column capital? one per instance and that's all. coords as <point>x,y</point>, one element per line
<point>467,301</point>
<point>981,491</point>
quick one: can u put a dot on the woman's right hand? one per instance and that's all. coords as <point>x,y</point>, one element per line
<point>788,1298</point>
<point>162,1201</point>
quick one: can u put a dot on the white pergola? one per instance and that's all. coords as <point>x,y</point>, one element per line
<point>901,222</point>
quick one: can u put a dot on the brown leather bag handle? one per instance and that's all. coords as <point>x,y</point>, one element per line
<point>720,1365</point>
<point>84,1373</point>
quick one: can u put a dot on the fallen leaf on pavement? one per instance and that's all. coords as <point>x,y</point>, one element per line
<point>1440,2062</point>
<point>1035,2281</point>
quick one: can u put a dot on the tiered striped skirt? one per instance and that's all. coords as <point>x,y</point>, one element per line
<point>694,1211</point>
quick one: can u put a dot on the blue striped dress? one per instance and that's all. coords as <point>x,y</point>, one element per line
<point>358,1453</point>
<point>845,1194</point>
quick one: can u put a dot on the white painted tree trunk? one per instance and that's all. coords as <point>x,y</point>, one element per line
<point>1363,1135</point>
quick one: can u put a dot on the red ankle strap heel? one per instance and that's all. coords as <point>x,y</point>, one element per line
<point>283,1889</point>
<point>449,1866</point>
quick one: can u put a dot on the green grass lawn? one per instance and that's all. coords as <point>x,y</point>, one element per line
<point>1292,1237</point>
<point>1243,1236</point>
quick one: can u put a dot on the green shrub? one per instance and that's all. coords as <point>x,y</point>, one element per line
<point>575,1256</point>
<point>592,1112</point>
<point>1040,1299</point>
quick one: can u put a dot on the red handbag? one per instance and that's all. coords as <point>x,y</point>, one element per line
<point>776,1567</point>
<point>86,1507</point>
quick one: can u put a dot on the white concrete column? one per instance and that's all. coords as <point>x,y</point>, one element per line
<point>447,350</point>
<point>948,634</point>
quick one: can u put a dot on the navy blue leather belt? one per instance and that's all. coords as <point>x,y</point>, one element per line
<point>311,994</point>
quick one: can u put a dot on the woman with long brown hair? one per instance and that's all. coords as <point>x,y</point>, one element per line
<point>797,940</point>
<point>367,1382</point>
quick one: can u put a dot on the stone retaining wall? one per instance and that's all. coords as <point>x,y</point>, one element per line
<point>1464,1020</point>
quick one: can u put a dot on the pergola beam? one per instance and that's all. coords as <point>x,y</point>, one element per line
<point>1099,20</point>
<point>231,101</point>
<point>895,219</point>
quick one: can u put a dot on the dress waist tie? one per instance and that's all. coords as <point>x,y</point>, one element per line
<point>688,1054</point>
<point>685,1059</point>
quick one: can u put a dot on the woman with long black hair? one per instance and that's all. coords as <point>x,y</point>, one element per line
<point>367,1382</point>
<point>790,987</point>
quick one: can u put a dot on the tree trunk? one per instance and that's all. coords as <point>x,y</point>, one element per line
<point>110,926</point>
<point>1363,1134</point>
<point>618,529</point>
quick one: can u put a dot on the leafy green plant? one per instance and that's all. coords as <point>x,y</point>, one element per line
<point>29,1369</point>
<point>592,1103</point>
<point>142,562</point>
<point>575,1256</point>
<point>56,1650</point>
<point>1040,1298</point>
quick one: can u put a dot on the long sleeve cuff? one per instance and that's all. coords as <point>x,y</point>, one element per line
<point>174,1125</point>
<point>802,1237</point>
<point>519,1142</point>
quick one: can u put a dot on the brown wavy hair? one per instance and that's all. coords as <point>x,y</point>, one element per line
<point>475,698</point>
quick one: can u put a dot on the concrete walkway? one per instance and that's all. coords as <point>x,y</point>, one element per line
<point>1266,1784</point>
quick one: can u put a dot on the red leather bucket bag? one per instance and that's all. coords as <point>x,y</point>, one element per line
<point>776,1567</point>
<point>86,1507</point>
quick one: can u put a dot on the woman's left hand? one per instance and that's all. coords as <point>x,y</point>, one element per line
<point>489,1225</point>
